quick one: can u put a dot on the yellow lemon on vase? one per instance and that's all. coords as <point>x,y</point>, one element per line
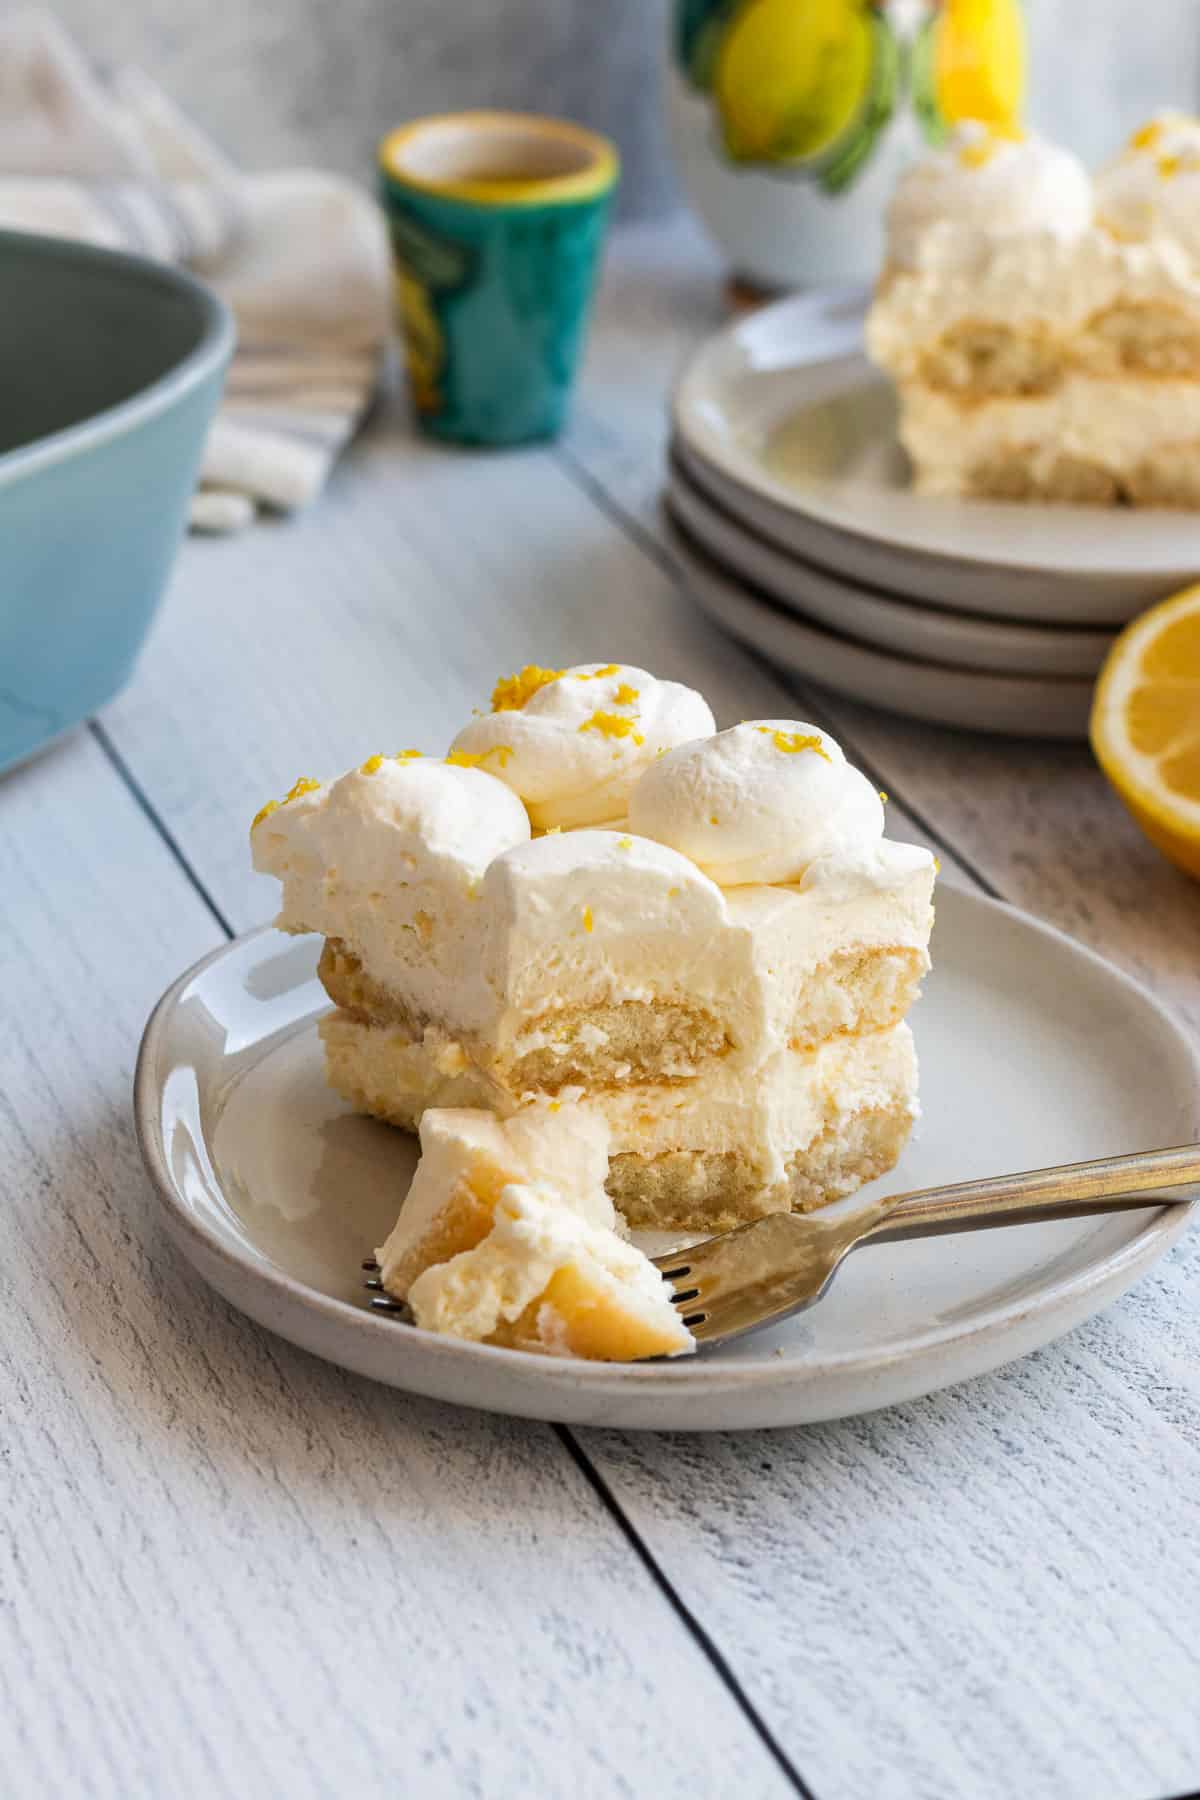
<point>969,62</point>
<point>807,84</point>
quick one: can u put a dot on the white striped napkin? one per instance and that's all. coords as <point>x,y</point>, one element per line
<point>300,256</point>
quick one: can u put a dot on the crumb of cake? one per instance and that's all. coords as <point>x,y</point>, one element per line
<point>511,692</point>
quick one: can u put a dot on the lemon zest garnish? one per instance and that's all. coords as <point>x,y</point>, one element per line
<point>512,692</point>
<point>792,741</point>
<point>552,831</point>
<point>613,726</point>
<point>671,892</point>
<point>937,865</point>
<point>587,918</point>
<point>403,756</point>
<point>1146,136</point>
<point>555,1106</point>
<point>471,759</point>
<point>883,796</point>
<point>1168,166</point>
<point>979,154</point>
<point>305,785</point>
<point>625,843</point>
<point>601,674</point>
<point>625,695</point>
<point>372,765</point>
<point>713,819</point>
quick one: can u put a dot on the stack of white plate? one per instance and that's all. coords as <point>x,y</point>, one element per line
<point>789,506</point>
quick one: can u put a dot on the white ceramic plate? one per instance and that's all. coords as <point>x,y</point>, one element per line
<point>841,496</point>
<point>1033,1051</point>
<point>881,620</point>
<point>1015,705</point>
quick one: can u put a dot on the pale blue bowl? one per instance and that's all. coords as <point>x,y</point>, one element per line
<point>110,371</point>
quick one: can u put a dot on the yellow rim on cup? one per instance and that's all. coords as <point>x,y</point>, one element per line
<point>537,161</point>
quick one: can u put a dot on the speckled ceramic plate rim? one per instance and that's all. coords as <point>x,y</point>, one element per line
<point>270,1296</point>
<point>1054,707</point>
<point>824,326</point>
<point>888,623</point>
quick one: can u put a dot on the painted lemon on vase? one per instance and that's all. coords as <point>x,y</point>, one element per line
<point>969,62</point>
<point>791,119</point>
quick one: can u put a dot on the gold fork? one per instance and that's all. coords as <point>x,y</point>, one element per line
<point>761,1273</point>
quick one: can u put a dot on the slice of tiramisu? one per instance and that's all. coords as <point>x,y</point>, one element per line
<point>710,943</point>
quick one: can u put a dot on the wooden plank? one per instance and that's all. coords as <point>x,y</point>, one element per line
<point>226,1566</point>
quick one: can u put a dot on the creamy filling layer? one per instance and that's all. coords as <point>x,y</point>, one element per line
<point>1101,440</point>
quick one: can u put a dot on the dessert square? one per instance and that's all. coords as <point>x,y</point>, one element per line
<point>714,954</point>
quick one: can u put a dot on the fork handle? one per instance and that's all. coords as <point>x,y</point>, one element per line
<point>1071,1191</point>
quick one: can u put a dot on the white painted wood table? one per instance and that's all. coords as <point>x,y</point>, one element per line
<point>229,1569</point>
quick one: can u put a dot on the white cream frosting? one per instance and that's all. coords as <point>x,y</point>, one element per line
<point>392,864</point>
<point>380,820</point>
<point>758,803</point>
<point>1150,193</point>
<point>574,749</point>
<point>533,1239</point>
<point>989,186</point>
<point>391,857</point>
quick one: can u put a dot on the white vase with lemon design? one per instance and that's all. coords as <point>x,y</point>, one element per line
<point>791,119</point>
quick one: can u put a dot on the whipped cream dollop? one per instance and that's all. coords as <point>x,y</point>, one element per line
<point>574,748</point>
<point>1150,193</point>
<point>374,824</point>
<point>759,803</point>
<point>989,185</point>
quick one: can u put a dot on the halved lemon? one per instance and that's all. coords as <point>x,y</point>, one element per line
<point>1145,725</point>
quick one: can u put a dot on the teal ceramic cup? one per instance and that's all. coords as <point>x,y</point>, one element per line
<point>497,221</point>
<point>110,371</point>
